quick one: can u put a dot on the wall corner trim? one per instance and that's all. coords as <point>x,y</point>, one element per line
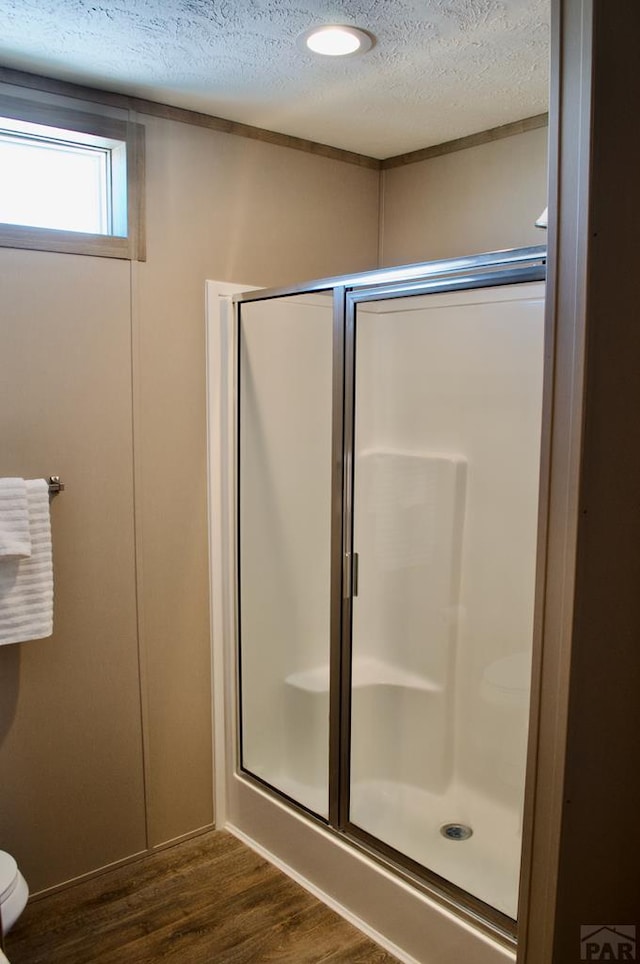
<point>21,78</point>
<point>471,140</point>
<point>65,88</point>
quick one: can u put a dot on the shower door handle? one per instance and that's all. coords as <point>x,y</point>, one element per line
<point>350,575</point>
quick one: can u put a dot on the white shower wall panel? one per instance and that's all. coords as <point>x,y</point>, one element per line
<point>456,377</point>
<point>408,523</point>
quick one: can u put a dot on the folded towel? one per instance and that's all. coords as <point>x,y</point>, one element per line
<point>26,585</point>
<point>14,519</point>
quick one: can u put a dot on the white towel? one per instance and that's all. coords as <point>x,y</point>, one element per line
<point>26,585</point>
<point>15,539</point>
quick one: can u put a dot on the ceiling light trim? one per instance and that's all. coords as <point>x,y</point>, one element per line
<point>336,40</point>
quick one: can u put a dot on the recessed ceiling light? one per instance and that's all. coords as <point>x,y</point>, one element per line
<point>337,41</point>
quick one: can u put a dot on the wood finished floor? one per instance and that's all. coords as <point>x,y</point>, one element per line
<point>210,900</point>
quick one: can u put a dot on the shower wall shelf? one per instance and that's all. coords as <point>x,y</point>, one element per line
<point>365,672</point>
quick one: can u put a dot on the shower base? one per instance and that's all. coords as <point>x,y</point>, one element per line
<point>409,819</point>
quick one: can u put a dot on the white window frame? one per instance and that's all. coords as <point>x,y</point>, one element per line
<point>129,243</point>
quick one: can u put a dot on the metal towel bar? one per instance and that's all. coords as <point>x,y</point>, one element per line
<point>55,484</point>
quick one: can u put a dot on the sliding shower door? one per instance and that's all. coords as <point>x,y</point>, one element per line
<point>285,425</point>
<point>446,449</point>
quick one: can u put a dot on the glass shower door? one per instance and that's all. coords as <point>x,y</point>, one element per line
<point>446,449</point>
<point>284,494</point>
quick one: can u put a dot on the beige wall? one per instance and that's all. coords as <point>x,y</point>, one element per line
<point>481,199</point>
<point>235,210</point>
<point>105,729</point>
<point>71,779</point>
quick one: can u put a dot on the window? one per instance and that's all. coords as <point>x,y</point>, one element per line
<point>70,181</point>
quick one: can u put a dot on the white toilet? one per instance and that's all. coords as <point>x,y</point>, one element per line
<point>13,894</point>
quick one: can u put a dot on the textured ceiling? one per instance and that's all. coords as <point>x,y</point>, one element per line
<point>440,69</point>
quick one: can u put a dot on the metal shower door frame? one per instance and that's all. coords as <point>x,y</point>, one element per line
<point>494,269</point>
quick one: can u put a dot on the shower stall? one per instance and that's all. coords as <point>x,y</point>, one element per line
<point>386,432</point>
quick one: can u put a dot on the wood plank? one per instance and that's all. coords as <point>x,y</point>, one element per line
<point>129,882</point>
<point>234,927</point>
<point>210,898</point>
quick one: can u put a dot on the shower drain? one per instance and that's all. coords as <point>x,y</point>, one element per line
<point>456,831</point>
